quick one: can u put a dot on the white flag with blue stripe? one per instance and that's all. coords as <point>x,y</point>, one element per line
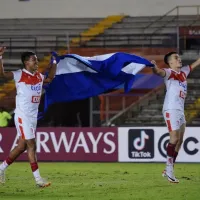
<point>80,77</point>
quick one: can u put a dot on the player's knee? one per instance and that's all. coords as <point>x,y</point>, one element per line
<point>174,139</point>
<point>180,141</point>
<point>31,146</point>
<point>21,149</point>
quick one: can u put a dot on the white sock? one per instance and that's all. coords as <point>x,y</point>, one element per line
<point>3,165</point>
<point>36,174</point>
<point>170,160</point>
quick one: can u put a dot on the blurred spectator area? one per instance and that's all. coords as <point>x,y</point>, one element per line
<point>151,37</point>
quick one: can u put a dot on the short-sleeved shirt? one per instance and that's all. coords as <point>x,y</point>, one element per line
<point>176,86</point>
<point>29,90</point>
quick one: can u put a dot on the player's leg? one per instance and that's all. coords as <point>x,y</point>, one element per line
<point>20,148</point>
<point>31,148</point>
<point>31,151</point>
<point>180,141</point>
<point>26,127</point>
<point>14,154</point>
<point>174,137</point>
<point>173,127</point>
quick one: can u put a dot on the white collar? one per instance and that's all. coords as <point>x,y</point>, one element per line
<point>28,72</point>
<point>175,71</point>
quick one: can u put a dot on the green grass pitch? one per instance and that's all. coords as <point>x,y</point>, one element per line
<point>99,181</point>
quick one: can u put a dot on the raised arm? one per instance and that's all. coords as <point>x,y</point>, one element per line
<point>3,74</point>
<point>195,64</point>
<point>157,70</point>
<point>52,71</point>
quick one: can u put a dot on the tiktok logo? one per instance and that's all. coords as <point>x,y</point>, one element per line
<point>141,143</point>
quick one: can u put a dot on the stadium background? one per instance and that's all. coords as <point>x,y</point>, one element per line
<point>92,27</point>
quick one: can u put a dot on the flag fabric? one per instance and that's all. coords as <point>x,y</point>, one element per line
<point>80,77</point>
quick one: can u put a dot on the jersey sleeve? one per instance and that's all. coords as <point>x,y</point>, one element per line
<point>167,73</point>
<point>17,75</point>
<point>42,76</point>
<point>186,70</point>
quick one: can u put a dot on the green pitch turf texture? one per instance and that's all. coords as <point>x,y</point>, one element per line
<point>99,181</point>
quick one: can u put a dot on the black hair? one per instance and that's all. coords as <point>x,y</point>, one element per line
<point>26,55</point>
<point>167,56</point>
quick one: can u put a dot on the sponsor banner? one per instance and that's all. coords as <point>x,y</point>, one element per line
<point>67,144</point>
<point>148,144</point>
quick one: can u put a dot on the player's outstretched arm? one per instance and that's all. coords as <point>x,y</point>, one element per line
<point>157,70</point>
<point>195,64</point>
<point>7,75</point>
<point>52,71</point>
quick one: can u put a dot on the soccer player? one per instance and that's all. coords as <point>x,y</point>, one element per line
<point>173,108</point>
<point>28,83</point>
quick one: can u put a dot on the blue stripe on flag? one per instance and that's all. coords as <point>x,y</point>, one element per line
<point>79,77</point>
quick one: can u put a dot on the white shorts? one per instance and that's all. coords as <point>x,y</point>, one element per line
<point>174,119</point>
<point>25,126</point>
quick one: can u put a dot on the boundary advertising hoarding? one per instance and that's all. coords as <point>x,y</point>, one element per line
<point>130,144</point>
<point>148,144</point>
<point>67,144</point>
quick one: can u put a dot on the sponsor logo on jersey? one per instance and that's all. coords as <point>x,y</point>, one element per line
<point>36,88</point>
<point>183,85</point>
<point>35,99</point>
